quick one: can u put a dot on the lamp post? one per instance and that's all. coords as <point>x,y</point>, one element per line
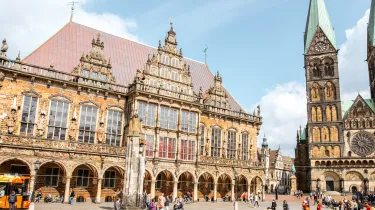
<point>37,164</point>
<point>235,190</point>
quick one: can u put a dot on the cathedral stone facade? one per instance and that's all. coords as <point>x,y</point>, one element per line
<point>336,150</point>
<point>68,104</point>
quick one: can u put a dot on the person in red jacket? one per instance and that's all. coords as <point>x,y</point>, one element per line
<point>319,206</point>
<point>368,207</point>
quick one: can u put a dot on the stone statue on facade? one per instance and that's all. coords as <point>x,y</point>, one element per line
<point>2,77</point>
<point>239,151</point>
<point>207,147</point>
<point>4,48</point>
<point>224,153</point>
<point>12,118</point>
<point>73,127</point>
<point>258,107</point>
<point>40,127</point>
<point>101,130</point>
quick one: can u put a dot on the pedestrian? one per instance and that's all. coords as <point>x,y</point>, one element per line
<point>71,196</point>
<point>118,204</point>
<point>285,205</point>
<point>319,207</point>
<point>256,203</point>
<point>273,205</point>
<point>62,196</point>
<point>166,204</point>
<point>251,198</point>
<point>12,199</point>
<point>152,205</point>
<point>161,202</point>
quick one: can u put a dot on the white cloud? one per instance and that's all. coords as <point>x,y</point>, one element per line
<point>352,65</point>
<point>28,24</point>
<point>283,110</point>
<point>284,107</point>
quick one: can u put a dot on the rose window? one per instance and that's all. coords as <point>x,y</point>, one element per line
<point>362,143</point>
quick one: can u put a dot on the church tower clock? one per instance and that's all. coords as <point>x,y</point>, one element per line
<point>325,137</point>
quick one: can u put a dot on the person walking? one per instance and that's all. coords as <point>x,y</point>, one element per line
<point>71,196</point>
<point>256,203</point>
<point>118,204</point>
<point>166,204</point>
<point>273,205</point>
<point>285,205</point>
<point>161,202</point>
<point>12,199</point>
<point>152,205</point>
<point>319,207</point>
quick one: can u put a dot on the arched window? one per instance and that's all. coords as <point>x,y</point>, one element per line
<point>334,113</point>
<point>201,142</point>
<point>215,142</point>
<point>319,114</point>
<point>328,114</point>
<point>325,134</point>
<point>245,146</point>
<point>316,134</point>
<point>330,91</point>
<point>334,136</point>
<point>231,148</point>
<point>315,92</point>
<point>313,114</point>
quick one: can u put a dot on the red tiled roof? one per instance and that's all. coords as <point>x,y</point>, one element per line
<point>65,48</point>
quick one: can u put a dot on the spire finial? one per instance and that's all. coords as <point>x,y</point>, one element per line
<point>18,56</point>
<point>171,23</point>
<point>72,3</point>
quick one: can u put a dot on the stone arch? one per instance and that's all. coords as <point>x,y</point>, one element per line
<point>325,134</point>
<point>323,163</point>
<point>323,152</point>
<point>13,159</point>
<point>147,181</point>
<point>224,185</point>
<point>328,113</point>
<point>242,185</point>
<point>329,163</point>
<point>336,151</point>
<point>353,176</point>
<point>364,163</point>
<point>358,163</point>
<point>334,163</point>
<point>313,114</point>
<point>315,92</point>
<point>329,67</point>
<point>256,184</point>
<point>332,181</point>
<point>84,180</point>
<point>206,183</point>
<point>51,177</point>
<point>113,181</point>
<point>334,113</point>
<point>119,168</point>
<point>316,152</point>
<point>371,162</point>
<point>164,182</point>
<point>346,162</point>
<point>316,134</point>
<point>319,114</point>
<point>372,176</point>
<point>340,163</point>
<point>330,91</point>
<point>185,183</point>
<point>352,163</point>
<point>317,163</point>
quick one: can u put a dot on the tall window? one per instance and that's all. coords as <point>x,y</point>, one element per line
<point>58,118</point>
<point>114,120</point>
<point>201,141</point>
<point>82,178</point>
<point>28,115</point>
<point>167,147</point>
<point>168,118</point>
<point>109,179</point>
<point>159,180</point>
<point>142,107</point>
<point>184,121</point>
<point>215,142</point>
<point>149,150</point>
<point>231,151</point>
<point>87,126</point>
<point>187,150</point>
<point>245,146</point>
<point>147,113</point>
<point>52,177</point>
<point>188,121</point>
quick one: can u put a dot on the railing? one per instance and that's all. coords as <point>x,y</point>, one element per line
<point>40,143</point>
<point>62,76</point>
<point>241,115</point>
<point>225,161</point>
<point>162,91</point>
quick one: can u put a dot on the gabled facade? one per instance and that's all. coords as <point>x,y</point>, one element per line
<point>69,103</point>
<point>336,151</point>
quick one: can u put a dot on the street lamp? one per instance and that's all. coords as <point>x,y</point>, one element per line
<point>235,190</point>
<point>37,164</point>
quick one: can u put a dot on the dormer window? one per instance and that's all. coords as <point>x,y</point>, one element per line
<point>85,73</point>
<point>102,77</point>
<point>174,76</point>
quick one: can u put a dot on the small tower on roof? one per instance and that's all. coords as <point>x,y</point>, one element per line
<point>371,48</point>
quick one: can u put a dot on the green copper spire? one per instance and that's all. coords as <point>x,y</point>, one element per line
<point>318,18</point>
<point>371,24</point>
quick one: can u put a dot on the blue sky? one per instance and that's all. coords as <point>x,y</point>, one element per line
<point>257,45</point>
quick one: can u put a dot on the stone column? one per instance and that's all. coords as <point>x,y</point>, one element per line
<point>263,195</point>
<point>293,184</point>
<point>153,182</point>
<point>215,190</point>
<point>67,189</point>
<point>99,191</point>
<point>248,191</point>
<point>175,184</point>
<point>233,194</point>
<point>195,191</point>
<point>32,182</point>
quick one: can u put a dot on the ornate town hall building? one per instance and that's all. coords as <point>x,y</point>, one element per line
<point>68,104</point>
<point>336,151</point>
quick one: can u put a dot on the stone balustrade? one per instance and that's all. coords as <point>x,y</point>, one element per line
<point>241,115</point>
<point>59,145</point>
<point>227,161</point>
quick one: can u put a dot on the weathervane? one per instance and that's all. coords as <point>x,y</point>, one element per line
<point>72,3</point>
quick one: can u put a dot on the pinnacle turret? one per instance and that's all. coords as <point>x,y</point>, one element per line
<point>371,25</point>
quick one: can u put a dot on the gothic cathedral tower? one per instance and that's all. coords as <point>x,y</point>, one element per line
<point>325,137</point>
<point>371,49</point>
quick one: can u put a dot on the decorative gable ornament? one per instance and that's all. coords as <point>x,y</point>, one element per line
<point>216,96</point>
